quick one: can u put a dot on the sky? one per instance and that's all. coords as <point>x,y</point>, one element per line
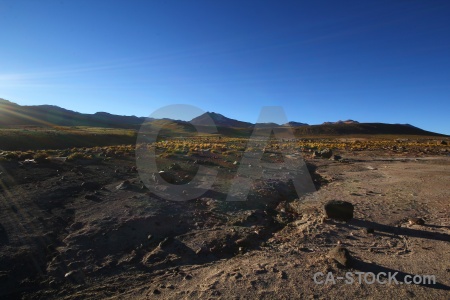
<point>370,61</point>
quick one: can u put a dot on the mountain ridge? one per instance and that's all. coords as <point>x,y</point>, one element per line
<point>12,114</point>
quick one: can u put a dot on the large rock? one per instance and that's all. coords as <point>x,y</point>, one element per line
<point>339,210</point>
<point>341,255</point>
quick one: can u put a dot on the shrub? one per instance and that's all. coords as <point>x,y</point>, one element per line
<point>11,155</point>
<point>26,155</point>
<point>40,157</point>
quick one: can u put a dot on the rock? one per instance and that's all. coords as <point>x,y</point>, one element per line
<point>124,185</point>
<point>91,186</point>
<point>29,162</point>
<point>416,221</point>
<point>75,276</point>
<point>339,210</point>
<point>76,226</point>
<point>341,255</point>
<point>282,275</point>
<point>369,230</point>
<point>325,153</point>
<point>169,177</point>
<point>57,159</point>
<point>236,163</point>
<point>442,142</point>
<point>336,157</point>
<point>91,197</point>
<point>166,241</point>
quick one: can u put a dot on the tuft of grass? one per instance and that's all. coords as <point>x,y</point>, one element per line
<point>78,155</point>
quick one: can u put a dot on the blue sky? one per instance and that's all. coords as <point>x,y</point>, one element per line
<point>371,61</point>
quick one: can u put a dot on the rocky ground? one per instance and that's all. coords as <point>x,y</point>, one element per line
<point>89,228</point>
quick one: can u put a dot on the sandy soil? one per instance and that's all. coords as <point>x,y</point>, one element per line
<point>68,232</point>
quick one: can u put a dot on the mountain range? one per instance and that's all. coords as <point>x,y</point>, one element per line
<point>12,114</point>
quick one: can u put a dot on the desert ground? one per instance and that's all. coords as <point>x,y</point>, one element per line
<point>80,224</point>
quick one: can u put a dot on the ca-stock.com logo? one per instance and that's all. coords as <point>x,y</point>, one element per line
<point>250,168</point>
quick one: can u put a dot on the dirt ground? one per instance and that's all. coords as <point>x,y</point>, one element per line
<point>92,230</point>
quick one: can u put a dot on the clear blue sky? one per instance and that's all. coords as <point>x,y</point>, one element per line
<point>372,61</point>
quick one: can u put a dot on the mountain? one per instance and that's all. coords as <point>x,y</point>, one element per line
<point>341,122</point>
<point>50,115</point>
<point>295,124</point>
<point>361,128</point>
<point>219,120</point>
<point>12,114</point>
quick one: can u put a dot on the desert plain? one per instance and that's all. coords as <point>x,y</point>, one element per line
<point>80,223</point>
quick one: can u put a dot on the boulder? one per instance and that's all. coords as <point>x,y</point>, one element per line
<point>339,210</point>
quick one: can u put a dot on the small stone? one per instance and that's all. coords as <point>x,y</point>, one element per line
<point>165,242</point>
<point>341,255</point>
<point>91,197</point>
<point>416,221</point>
<point>283,275</point>
<point>75,276</point>
<point>124,185</point>
<point>369,230</point>
<point>156,292</point>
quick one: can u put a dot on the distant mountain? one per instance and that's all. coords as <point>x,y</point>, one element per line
<point>295,124</point>
<point>12,114</point>
<point>50,115</point>
<point>361,128</point>
<point>219,120</point>
<point>341,122</point>
<point>267,125</point>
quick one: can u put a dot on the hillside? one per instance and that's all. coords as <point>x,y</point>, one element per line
<point>14,115</point>
<point>48,115</point>
<point>362,128</point>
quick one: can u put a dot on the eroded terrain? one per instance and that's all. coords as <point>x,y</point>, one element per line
<point>80,223</point>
